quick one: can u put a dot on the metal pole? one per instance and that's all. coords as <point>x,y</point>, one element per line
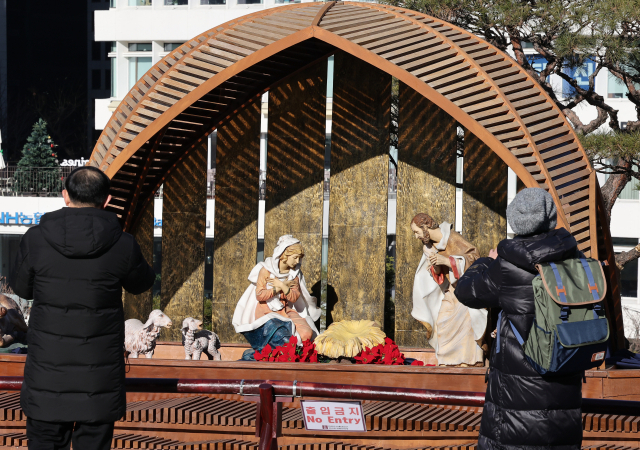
<point>267,431</point>
<point>338,391</point>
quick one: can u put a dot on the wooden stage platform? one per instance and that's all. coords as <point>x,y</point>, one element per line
<point>227,422</point>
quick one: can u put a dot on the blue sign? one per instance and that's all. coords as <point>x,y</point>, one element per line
<point>18,218</point>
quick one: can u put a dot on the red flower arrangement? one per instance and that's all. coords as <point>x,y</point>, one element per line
<point>290,352</point>
<point>387,354</point>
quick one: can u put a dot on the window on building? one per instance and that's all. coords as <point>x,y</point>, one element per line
<point>581,74</point>
<point>113,77</point>
<point>538,63</point>
<point>140,47</point>
<point>527,44</point>
<point>112,3</point>
<point>213,2</point>
<point>616,87</point>
<point>629,279</point>
<point>171,46</point>
<point>95,51</point>
<point>287,1</point>
<point>624,242</point>
<point>107,78</point>
<point>137,68</point>
<point>9,244</point>
<point>139,2</point>
<point>95,79</point>
<point>176,2</point>
<point>249,2</point>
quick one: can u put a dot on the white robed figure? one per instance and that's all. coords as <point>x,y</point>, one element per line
<point>453,330</point>
<point>277,303</point>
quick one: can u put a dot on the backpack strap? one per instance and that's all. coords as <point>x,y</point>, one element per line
<point>593,287</point>
<point>562,293</point>
<point>513,328</point>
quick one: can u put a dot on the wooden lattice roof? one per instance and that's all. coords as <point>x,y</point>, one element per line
<point>184,97</point>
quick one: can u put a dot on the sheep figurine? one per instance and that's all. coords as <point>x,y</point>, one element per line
<point>139,338</point>
<point>196,340</point>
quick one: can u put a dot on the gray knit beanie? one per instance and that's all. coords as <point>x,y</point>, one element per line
<point>532,211</point>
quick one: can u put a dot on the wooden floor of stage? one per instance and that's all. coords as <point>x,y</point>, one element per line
<point>227,422</point>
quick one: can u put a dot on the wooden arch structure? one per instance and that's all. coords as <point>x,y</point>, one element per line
<point>212,80</point>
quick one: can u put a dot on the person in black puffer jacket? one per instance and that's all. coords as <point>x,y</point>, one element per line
<point>523,409</point>
<point>74,265</point>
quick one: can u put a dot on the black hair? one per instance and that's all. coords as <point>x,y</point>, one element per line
<point>88,186</point>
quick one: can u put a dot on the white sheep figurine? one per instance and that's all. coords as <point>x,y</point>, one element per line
<point>196,340</point>
<point>139,338</point>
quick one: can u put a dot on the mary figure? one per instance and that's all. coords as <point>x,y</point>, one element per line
<point>277,304</point>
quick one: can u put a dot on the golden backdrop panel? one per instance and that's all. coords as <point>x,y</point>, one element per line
<point>184,208</point>
<point>236,215</point>
<point>359,191</point>
<point>295,166</point>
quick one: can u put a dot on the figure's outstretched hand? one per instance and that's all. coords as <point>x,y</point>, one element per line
<point>493,253</point>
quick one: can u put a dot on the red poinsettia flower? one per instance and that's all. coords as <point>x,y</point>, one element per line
<point>417,362</point>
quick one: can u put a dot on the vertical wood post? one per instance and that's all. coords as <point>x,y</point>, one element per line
<point>359,183</point>
<point>184,224</point>
<point>236,215</point>
<point>426,183</point>
<point>139,306</point>
<point>295,166</point>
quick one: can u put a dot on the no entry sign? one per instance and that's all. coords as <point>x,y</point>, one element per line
<point>333,416</point>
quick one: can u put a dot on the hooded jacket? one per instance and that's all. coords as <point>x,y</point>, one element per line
<point>522,409</point>
<point>74,266</point>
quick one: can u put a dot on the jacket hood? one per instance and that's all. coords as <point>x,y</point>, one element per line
<point>81,232</point>
<point>527,251</point>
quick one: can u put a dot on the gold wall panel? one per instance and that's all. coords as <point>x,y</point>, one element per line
<point>236,215</point>
<point>295,166</point>
<point>359,183</point>
<point>484,199</point>
<point>184,209</point>
<point>426,183</point>
<point>139,306</point>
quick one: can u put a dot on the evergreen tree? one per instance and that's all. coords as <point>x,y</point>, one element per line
<point>38,169</point>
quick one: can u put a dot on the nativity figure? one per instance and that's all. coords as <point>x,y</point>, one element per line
<point>453,330</point>
<point>277,304</point>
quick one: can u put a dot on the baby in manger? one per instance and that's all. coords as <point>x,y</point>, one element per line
<point>277,304</point>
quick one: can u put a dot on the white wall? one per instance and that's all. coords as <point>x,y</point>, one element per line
<point>28,208</point>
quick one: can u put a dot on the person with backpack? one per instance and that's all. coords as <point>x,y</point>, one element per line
<point>523,408</point>
<point>74,265</point>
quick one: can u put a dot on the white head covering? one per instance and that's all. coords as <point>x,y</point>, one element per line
<point>285,241</point>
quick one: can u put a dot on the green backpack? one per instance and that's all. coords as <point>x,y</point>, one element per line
<point>570,330</point>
